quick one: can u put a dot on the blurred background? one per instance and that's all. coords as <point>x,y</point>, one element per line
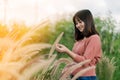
<point>32,11</point>
<point>29,29</point>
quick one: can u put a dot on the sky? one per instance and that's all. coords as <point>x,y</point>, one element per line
<point>32,11</point>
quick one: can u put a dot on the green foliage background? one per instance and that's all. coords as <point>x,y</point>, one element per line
<point>110,39</point>
<point>106,27</point>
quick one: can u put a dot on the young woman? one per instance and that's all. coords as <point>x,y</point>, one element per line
<point>87,45</point>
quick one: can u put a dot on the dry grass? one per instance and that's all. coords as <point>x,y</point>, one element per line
<point>71,68</point>
<point>35,67</point>
<point>16,61</point>
<point>53,46</point>
<point>45,71</point>
<point>57,63</point>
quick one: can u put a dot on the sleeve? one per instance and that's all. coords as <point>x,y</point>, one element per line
<point>92,51</point>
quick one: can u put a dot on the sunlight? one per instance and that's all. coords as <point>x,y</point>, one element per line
<point>34,10</point>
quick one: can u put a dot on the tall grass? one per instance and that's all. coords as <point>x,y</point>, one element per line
<point>18,61</point>
<point>46,73</point>
<point>106,68</point>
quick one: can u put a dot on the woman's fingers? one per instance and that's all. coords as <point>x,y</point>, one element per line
<point>59,47</point>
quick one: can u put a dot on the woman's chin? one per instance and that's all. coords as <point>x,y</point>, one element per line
<point>81,30</point>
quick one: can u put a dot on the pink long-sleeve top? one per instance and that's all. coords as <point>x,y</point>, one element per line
<point>88,48</point>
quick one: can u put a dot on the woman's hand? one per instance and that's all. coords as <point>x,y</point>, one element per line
<point>61,48</point>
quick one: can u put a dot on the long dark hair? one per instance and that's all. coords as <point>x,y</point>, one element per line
<point>87,18</point>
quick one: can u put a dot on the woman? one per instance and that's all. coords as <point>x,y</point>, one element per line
<point>87,45</point>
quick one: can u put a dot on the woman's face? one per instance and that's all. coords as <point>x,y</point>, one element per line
<point>80,25</point>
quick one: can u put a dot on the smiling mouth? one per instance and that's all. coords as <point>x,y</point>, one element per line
<point>81,29</point>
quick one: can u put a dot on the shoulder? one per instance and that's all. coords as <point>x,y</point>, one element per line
<point>95,36</point>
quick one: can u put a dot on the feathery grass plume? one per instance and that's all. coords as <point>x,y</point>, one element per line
<point>105,68</point>
<point>24,50</point>
<point>28,51</point>
<point>72,68</point>
<point>47,71</point>
<point>63,60</point>
<point>28,35</point>
<point>15,44</point>
<point>35,67</point>
<point>53,46</point>
<point>82,72</point>
<point>28,64</point>
<point>58,62</point>
<point>28,57</point>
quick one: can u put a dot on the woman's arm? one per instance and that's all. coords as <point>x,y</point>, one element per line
<point>62,48</point>
<point>93,50</point>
